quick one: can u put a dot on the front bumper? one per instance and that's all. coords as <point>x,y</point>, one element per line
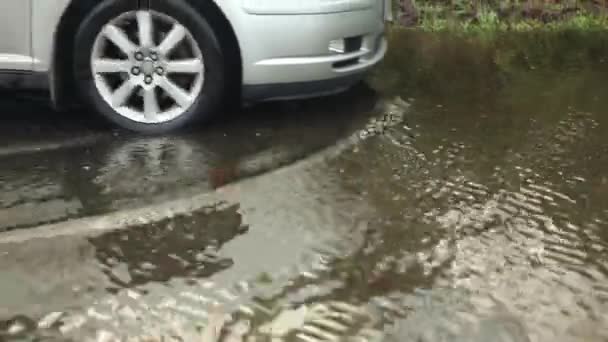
<point>295,49</point>
<point>307,89</point>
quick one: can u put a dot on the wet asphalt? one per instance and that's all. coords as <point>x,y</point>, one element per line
<point>474,211</point>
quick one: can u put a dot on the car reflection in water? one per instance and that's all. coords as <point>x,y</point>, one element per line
<point>117,172</point>
<point>147,169</point>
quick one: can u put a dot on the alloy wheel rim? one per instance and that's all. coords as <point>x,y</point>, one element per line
<point>147,66</point>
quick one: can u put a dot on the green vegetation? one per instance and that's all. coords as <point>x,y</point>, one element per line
<point>481,16</point>
<point>447,49</point>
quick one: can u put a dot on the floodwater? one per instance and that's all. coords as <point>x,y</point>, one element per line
<point>463,196</point>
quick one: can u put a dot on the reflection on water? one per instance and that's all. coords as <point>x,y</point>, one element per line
<point>474,212</point>
<point>148,170</point>
<point>184,247</point>
<point>125,171</point>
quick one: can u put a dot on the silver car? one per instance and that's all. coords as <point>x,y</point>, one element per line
<point>155,65</point>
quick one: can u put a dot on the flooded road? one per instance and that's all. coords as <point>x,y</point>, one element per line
<point>463,197</point>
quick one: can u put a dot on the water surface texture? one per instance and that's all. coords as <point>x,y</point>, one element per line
<point>464,198</point>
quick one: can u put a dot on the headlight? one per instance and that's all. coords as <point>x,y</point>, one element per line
<point>305,6</point>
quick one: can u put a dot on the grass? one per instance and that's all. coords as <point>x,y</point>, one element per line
<point>488,19</point>
<point>489,22</point>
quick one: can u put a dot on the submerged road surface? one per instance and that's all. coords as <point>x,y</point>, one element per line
<point>387,215</point>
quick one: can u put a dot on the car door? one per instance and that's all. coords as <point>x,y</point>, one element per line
<point>15,37</point>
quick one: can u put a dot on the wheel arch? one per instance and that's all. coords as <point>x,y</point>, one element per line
<point>62,78</point>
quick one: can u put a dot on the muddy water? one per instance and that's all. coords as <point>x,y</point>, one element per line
<point>66,168</point>
<point>470,204</point>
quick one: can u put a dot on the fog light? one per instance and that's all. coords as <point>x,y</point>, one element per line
<point>337,46</point>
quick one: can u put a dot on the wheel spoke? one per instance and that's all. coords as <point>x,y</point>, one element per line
<point>106,65</point>
<point>186,66</point>
<point>146,28</point>
<point>177,33</point>
<point>117,36</point>
<point>179,95</point>
<point>151,108</point>
<point>120,95</point>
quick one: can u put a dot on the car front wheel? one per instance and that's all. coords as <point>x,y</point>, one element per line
<point>150,69</point>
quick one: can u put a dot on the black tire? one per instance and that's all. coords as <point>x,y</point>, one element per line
<point>213,88</point>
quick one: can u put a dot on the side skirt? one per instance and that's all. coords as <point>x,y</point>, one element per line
<point>24,80</point>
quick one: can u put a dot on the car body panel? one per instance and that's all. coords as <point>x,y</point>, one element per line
<point>286,48</point>
<point>281,41</point>
<point>303,54</point>
<point>297,7</point>
<point>15,44</point>
<point>46,16</point>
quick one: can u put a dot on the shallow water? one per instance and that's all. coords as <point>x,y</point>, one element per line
<point>475,211</point>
